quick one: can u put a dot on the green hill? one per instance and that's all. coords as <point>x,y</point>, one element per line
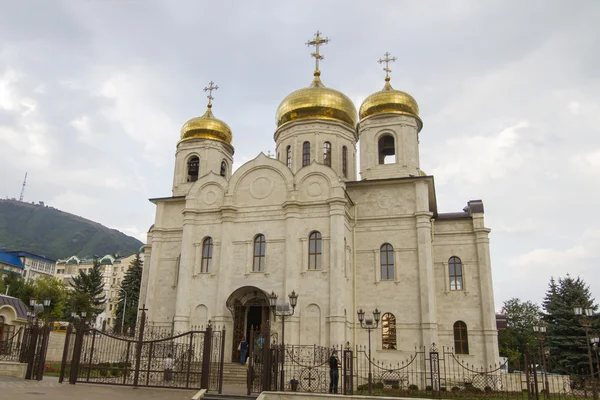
<point>56,234</point>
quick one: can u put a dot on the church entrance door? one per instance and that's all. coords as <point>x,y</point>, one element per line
<point>249,307</point>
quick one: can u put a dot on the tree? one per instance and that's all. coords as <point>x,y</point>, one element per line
<point>49,287</point>
<point>88,294</point>
<point>518,336</point>
<point>565,336</point>
<point>129,294</point>
<point>17,287</point>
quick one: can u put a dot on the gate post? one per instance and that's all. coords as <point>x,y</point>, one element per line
<point>41,357</point>
<point>434,366</point>
<point>63,364</point>
<point>348,387</point>
<point>206,353</point>
<point>79,331</point>
<point>33,338</point>
<point>138,356</point>
<point>222,360</point>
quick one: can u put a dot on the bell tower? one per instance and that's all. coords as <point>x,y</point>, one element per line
<point>205,147</point>
<point>389,132</point>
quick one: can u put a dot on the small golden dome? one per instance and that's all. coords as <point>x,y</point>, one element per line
<point>390,101</point>
<point>206,127</point>
<point>317,102</point>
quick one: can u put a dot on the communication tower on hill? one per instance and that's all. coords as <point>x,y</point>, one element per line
<point>23,189</point>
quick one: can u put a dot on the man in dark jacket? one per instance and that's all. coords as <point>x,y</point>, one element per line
<point>333,373</point>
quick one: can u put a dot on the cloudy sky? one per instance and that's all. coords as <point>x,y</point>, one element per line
<point>93,95</point>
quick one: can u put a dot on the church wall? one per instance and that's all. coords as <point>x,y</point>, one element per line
<point>457,238</point>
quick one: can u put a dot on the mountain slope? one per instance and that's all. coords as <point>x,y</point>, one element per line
<point>57,234</point>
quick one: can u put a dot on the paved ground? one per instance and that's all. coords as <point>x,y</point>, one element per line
<point>50,389</point>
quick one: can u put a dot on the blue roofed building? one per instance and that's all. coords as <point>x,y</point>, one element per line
<point>34,265</point>
<point>10,263</point>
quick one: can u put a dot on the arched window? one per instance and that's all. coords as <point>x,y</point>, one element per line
<point>455,273</point>
<point>327,153</point>
<point>207,250</point>
<point>288,156</point>
<point>193,168</point>
<point>388,331</point>
<point>386,258</point>
<point>315,249</point>
<point>387,150</point>
<point>345,161</point>
<point>258,264</point>
<point>461,338</point>
<point>223,168</point>
<point>306,154</point>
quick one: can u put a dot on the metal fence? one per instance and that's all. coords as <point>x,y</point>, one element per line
<point>188,360</point>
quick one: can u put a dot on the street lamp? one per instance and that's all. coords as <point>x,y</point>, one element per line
<point>596,342</point>
<point>586,314</point>
<point>367,323</point>
<point>283,311</point>
<point>539,328</point>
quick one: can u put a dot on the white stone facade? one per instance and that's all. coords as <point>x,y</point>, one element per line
<point>394,204</point>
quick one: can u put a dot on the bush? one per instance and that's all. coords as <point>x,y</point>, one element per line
<point>443,389</point>
<point>115,371</point>
<point>363,387</point>
<point>429,388</point>
<point>413,387</point>
<point>378,385</point>
<point>455,389</point>
<point>103,372</point>
<point>487,389</point>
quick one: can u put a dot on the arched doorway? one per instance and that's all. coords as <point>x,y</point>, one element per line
<point>249,307</point>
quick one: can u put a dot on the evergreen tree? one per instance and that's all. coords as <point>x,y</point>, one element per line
<point>129,295</point>
<point>88,294</point>
<point>16,286</point>
<point>565,336</point>
<point>518,336</point>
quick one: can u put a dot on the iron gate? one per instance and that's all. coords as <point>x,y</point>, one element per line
<point>190,360</point>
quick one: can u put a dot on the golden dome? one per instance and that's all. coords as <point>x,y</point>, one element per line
<point>317,102</point>
<point>390,101</point>
<point>206,127</point>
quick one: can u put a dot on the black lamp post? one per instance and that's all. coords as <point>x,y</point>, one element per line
<point>595,343</point>
<point>539,328</point>
<point>586,314</point>
<point>283,311</point>
<point>369,325</point>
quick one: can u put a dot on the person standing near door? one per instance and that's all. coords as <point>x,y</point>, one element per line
<point>333,372</point>
<point>243,348</point>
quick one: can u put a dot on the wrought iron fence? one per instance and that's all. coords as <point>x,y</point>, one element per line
<point>13,347</point>
<point>192,359</point>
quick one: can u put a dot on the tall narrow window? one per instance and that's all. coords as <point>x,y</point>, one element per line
<point>223,168</point>
<point>455,273</point>
<point>306,154</point>
<point>207,250</point>
<point>461,338</point>
<point>315,249</point>
<point>345,161</point>
<point>386,257</point>
<point>327,153</point>
<point>193,168</point>
<point>258,264</point>
<point>388,331</point>
<point>288,157</point>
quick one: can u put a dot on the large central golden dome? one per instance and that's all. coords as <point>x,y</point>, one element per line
<point>390,101</point>
<point>206,127</point>
<point>317,102</point>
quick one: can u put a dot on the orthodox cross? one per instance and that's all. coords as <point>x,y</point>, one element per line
<point>317,41</point>
<point>211,86</point>
<point>387,60</point>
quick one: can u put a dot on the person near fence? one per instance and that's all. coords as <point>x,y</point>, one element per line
<point>333,372</point>
<point>168,368</point>
<point>243,348</point>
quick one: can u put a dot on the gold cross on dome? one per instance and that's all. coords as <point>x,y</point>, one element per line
<point>317,41</point>
<point>211,86</point>
<point>387,60</point>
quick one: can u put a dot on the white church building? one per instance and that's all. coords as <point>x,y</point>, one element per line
<point>304,221</point>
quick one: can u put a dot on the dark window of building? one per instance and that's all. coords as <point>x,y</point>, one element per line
<point>193,168</point>
<point>345,161</point>
<point>455,273</point>
<point>461,339</point>
<point>258,264</point>
<point>315,250</point>
<point>306,154</point>
<point>386,257</point>
<point>288,157</point>
<point>207,250</point>
<point>387,149</point>
<point>327,153</point>
<point>388,331</point>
